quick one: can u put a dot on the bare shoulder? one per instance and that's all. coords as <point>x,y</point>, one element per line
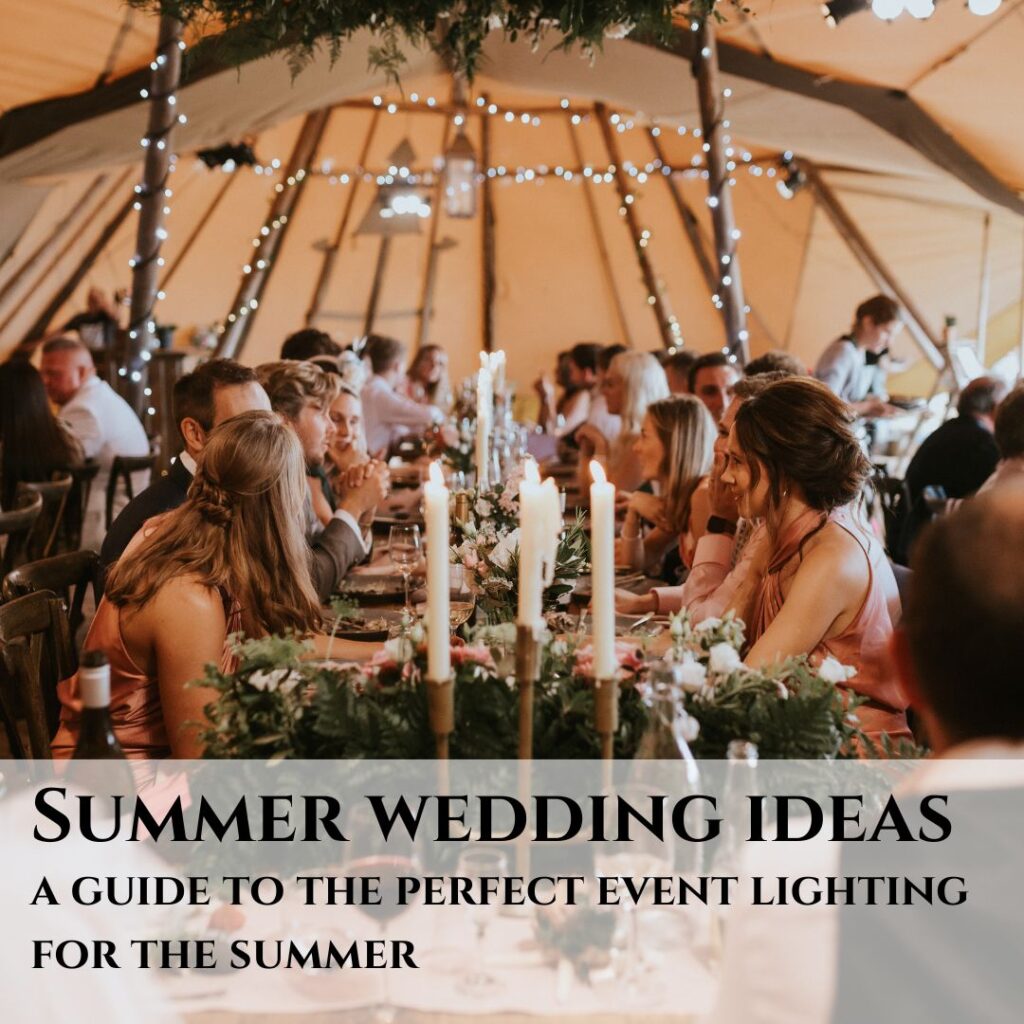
<point>834,552</point>
<point>187,600</point>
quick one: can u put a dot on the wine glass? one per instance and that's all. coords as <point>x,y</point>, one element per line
<point>367,854</point>
<point>404,549</point>
<point>640,855</point>
<point>479,863</point>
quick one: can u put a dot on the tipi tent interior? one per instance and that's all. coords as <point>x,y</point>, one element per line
<point>906,122</point>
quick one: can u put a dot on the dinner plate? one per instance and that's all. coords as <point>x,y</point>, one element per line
<point>369,624</point>
<point>369,589</point>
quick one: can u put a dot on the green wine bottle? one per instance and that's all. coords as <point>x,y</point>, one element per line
<point>96,739</point>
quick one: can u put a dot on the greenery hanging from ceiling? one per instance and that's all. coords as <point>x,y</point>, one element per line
<point>252,28</point>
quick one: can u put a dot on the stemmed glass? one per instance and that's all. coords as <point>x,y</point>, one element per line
<point>404,549</point>
<point>474,864</point>
<point>368,855</point>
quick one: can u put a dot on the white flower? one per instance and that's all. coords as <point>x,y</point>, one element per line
<point>483,508</point>
<point>783,691</point>
<point>834,671</point>
<point>685,727</point>
<point>283,679</point>
<point>708,625</point>
<point>399,649</point>
<point>619,31</point>
<point>690,674</point>
<point>503,550</point>
<point>723,659</point>
<point>676,626</point>
<point>559,648</point>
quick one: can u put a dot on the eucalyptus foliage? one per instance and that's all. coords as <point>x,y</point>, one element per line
<point>455,28</point>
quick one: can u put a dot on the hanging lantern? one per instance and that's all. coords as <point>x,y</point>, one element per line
<point>460,178</point>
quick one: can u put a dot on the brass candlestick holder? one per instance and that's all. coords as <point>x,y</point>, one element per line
<point>528,652</point>
<point>441,712</point>
<point>460,510</point>
<point>606,715</point>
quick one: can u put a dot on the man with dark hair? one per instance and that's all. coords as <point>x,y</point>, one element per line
<point>215,391</point>
<point>958,457</point>
<point>712,379</point>
<point>308,343</point>
<point>775,362</point>
<point>389,415</point>
<point>677,367</point>
<point>843,365</point>
<point>1009,434</point>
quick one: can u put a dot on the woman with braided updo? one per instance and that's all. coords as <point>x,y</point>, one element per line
<point>232,559</point>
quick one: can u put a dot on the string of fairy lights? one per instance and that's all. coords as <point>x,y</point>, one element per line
<point>158,138</point>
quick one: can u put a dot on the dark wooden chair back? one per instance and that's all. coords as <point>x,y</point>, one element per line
<point>55,493</point>
<point>69,576</point>
<point>35,644</point>
<point>74,515</point>
<point>16,525</point>
<point>121,472</point>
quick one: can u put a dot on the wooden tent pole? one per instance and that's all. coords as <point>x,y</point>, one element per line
<point>869,259</point>
<point>255,276</point>
<point>42,322</point>
<point>383,253</point>
<point>668,326</point>
<point>602,248</point>
<point>729,280</point>
<point>426,307</point>
<point>151,197</point>
<point>331,253</point>
<point>984,286</point>
<point>488,286</point>
<point>197,230</point>
<point>9,291</point>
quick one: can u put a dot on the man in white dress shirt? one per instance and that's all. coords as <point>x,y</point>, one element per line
<point>99,417</point>
<point>387,414</point>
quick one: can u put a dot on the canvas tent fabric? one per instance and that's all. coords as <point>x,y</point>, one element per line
<point>925,217</point>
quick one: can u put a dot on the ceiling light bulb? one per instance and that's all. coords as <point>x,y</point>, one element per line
<point>887,10</point>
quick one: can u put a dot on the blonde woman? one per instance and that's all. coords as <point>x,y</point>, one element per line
<point>674,452</point>
<point>232,558</point>
<point>634,380</point>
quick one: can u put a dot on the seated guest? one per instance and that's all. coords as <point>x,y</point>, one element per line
<point>302,393</point>
<point>599,417</point>
<point>677,370</point>
<point>212,393</point>
<point>427,381</point>
<point>389,415</point>
<point>34,444</point>
<point>634,380</point>
<point>729,547</point>
<point>674,450</point>
<point>843,365</point>
<point>712,378</point>
<point>1009,434</point>
<point>100,419</point>
<point>578,379</point>
<point>308,344</point>
<point>231,559</point>
<point>958,653</point>
<point>958,457</point>
<point>825,587</point>
<point>775,362</point>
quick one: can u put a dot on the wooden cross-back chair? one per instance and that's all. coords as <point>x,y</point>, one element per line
<point>37,652</point>
<point>69,576</point>
<point>78,502</point>
<point>16,525</point>
<point>121,471</point>
<point>55,493</point>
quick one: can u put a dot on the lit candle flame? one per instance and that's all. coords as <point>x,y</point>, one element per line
<point>531,473</point>
<point>597,473</point>
<point>436,474</point>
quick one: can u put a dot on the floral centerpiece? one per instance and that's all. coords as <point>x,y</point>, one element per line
<point>487,547</point>
<point>278,705</point>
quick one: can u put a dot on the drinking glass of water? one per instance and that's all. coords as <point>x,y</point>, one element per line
<point>404,549</point>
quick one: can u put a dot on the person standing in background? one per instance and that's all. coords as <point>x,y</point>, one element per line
<point>843,366</point>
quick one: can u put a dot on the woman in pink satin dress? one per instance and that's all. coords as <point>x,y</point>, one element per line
<point>823,586</point>
<point>232,559</point>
